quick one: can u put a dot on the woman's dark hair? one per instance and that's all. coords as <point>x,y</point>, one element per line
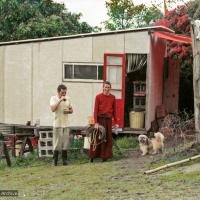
<point>61,87</point>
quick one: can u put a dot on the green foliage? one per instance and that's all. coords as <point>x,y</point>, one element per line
<point>30,160</point>
<point>123,14</point>
<point>25,19</point>
<point>148,16</point>
<point>76,143</point>
<point>194,9</point>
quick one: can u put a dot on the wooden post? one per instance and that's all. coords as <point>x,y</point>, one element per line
<point>4,151</point>
<point>195,33</point>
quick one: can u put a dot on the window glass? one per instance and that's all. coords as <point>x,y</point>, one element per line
<point>68,71</point>
<point>114,75</point>
<point>85,72</point>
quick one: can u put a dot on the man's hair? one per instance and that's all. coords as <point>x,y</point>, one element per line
<point>61,87</point>
<point>106,83</point>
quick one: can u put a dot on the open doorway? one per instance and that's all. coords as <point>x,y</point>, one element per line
<point>135,85</point>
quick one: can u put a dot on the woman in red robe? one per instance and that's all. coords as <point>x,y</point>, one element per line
<point>104,111</point>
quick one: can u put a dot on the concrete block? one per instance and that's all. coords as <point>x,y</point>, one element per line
<point>45,143</point>
<point>45,153</point>
<point>46,134</point>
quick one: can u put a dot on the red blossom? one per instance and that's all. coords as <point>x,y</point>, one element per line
<point>187,29</point>
<point>178,20</point>
<point>188,62</point>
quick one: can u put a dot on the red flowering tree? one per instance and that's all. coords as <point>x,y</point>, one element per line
<point>178,20</point>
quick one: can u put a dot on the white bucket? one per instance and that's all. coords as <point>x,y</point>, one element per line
<point>86,143</point>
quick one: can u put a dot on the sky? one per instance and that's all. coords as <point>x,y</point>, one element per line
<point>94,11</point>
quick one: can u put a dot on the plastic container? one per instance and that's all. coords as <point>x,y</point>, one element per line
<point>136,119</point>
<point>18,147</point>
<point>86,143</point>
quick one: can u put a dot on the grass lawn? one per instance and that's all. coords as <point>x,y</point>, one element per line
<point>121,178</point>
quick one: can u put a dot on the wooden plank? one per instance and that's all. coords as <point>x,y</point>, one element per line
<point>132,132</point>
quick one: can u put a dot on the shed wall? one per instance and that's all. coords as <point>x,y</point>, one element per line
<point>47,74</point>
<point>77,50</point>
<point>171,87</point>
<point>137,42</point>
<point>32,72</point>
<point>155,79</point>
<point>18,83</point>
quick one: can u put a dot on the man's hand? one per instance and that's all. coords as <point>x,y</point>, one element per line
<point>68,110</point>
<point>63,98</point>
<point>116,126</point>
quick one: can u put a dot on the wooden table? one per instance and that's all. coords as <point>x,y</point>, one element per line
<point>22,132</point>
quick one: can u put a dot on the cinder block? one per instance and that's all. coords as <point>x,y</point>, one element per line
<point>46,153</point>
<point>46,134</point>
<point>45,143</point>
<point>45,147</point>
<point>50,134</point>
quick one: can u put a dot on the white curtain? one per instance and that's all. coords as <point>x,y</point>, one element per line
<point>136,62</point>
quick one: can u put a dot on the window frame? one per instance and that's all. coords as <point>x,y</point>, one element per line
<point>81,80</point>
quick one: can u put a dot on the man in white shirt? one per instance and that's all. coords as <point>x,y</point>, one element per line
<point>61,106</point>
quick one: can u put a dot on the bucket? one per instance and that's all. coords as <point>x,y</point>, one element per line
<point>86,143</point>
<point>136,119</point>
<point>18,147</point>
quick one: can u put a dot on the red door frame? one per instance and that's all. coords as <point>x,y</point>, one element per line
<point>119,102</point>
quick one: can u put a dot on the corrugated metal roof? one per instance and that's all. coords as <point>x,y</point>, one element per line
<point>160,28</point>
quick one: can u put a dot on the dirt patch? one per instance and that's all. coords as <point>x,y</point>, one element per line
<point>191,168</point>
<point>134,159</point>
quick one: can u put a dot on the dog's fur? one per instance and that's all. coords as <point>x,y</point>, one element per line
<point>153,145</point>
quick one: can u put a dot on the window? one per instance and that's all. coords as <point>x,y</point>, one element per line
<point>83,71</point>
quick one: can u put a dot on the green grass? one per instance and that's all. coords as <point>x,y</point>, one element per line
<point>117,179</point>
<point>127,143</point>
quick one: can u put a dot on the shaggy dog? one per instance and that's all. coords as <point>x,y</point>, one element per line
<point>153,145</point>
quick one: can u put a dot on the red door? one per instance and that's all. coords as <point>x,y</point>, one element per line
<point>114,71</point>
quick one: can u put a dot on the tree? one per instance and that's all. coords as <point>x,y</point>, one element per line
<point>25,19</point>
<point>148,16</point>
<point>194,9</point>
<point>178,19</point>
<point>123,14</point>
